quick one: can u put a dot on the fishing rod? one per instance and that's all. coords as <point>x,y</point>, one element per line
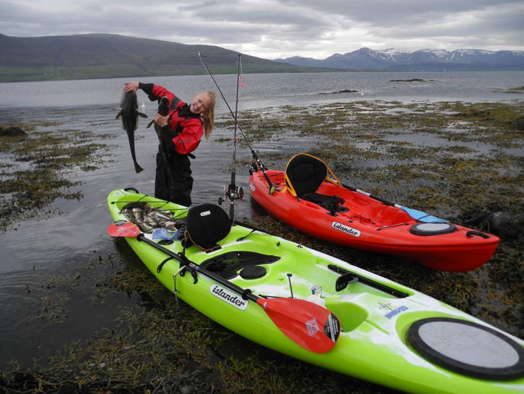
<point>234,192</point>
<point>259,164</point>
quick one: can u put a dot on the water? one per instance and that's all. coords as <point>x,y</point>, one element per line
<point>63,245</point>
<point>263,90</point>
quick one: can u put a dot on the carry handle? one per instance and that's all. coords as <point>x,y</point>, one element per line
<point>472,233</point>
<point>344,280</point>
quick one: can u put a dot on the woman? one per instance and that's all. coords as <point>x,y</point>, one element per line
<point>180,133</point>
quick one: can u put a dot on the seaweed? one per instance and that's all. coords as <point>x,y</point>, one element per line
<point>37,172</point>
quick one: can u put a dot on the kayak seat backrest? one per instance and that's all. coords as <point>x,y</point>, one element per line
<point>305,174</point>
<point>206,225</point>
<point>246,264</point>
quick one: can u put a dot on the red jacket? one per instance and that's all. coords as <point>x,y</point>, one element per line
<point>186,127</point>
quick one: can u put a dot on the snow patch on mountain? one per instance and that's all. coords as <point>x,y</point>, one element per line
<point>422,60</point>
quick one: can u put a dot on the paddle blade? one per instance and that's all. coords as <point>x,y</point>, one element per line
<point>123,229</point>
<point>307,324</point>
<point>423,216</point>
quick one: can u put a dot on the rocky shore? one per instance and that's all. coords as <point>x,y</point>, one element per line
<point>456,160</point>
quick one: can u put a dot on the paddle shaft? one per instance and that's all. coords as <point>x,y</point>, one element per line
<point>192,266</point>
<point>415,214</point>
<point>307,324</point>
<point>383,200</point>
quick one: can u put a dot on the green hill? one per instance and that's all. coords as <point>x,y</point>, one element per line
<point>89,56</point>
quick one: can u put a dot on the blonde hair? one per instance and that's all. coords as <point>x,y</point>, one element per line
<point>209,116</point>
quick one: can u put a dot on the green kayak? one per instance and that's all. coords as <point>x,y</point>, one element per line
<point>312,306</point>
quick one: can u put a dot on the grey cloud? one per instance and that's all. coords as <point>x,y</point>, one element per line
<point>280,27</point>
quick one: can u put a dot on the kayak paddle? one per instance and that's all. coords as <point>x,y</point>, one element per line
<point>415,214</point>
<point>309,325</point>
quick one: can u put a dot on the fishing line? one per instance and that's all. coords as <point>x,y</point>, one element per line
<point>259,164</point>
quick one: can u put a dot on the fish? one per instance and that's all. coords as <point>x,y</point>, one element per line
<point>163,109</point>
<point>129,115</point>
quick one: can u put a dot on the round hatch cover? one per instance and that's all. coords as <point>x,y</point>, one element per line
<point>433,228</point>
<point>253,272</point>
<point>468,348</point>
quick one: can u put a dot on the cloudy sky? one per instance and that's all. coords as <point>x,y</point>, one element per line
<point>274,29</point>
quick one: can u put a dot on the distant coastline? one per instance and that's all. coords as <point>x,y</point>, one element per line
<point>97,56</point>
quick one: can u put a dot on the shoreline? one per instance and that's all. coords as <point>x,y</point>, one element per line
<point>454,156</point>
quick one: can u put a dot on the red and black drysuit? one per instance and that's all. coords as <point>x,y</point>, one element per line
<point>180,137</point>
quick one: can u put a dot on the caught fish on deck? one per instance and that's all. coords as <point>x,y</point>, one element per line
<point>129,114</point>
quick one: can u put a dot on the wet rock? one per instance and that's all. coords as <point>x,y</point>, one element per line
<point>12,131</point>
<point>518,123</point>
<point>187,389</point>
<point>519,89</point>
<point>342,91</point>
<point>496,218</point>
<point>409,80</point>
<point>347,91</point>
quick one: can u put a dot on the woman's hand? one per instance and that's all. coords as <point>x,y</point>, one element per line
<point>161,120</point>
<point>131,87</point>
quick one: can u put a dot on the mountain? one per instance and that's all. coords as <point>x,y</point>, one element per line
<point>421,60</point>
<point>87,56</point>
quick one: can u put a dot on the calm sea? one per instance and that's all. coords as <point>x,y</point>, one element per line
<point>263,90</point>
<point>47,249</point>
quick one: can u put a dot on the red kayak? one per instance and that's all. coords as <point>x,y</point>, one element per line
<point>309,197</point>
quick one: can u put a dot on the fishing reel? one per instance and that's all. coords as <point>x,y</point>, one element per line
<point>231,193</point>
<point>256,165</point>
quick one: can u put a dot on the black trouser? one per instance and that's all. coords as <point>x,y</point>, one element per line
<point>173,180</point>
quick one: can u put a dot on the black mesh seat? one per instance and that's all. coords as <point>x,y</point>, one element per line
<point>304,175</point>
<point>206,225</point>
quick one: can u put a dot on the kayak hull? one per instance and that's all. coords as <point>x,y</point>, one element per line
<point>375,313</point>
<point>371,225</point>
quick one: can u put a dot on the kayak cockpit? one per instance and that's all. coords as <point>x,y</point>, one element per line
<point>249,265</point>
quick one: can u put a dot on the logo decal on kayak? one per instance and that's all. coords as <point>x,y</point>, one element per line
<point>312,327</point>
<point>252,186</point>
<point>395,312</point>
<point>228,296</point>
<point>345,229</point>
<point>332,327</point>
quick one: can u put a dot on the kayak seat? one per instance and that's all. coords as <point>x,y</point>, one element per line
<point>245,264</point>
<point>206,225</point>
<point>304,175</point>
